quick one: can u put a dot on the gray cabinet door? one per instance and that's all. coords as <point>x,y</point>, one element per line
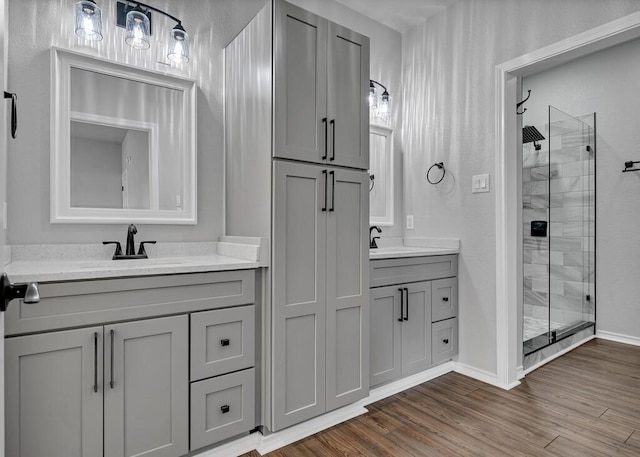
<point>416,328</point>
<point>385,342</point>
<point>347,105</point>
<point>54,394</point>
<point>347,354</point>
<point>146,394</point>
<point>299,292</point>
<point>300,67</point>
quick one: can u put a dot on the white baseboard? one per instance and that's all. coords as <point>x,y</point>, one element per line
<point>618,338</point>
<point>558,354</point>
<point>519,372</point>
<point>480,375</point>
<point>378,393</point>
<point>235,447</point>
<point>295,433</point>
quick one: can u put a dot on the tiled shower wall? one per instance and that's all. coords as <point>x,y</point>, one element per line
<point>559,188</point>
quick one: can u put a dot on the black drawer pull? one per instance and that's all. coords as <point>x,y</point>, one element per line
<point>445,341</point>
<point>224,342</point>
<point>225,409</point>
<point>445,298</point>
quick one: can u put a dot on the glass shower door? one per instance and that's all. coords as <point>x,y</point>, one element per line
<point>571,223</point>
<point>559,231</point>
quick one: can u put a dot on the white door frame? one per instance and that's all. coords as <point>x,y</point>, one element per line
<point>507,172</point>
<point>4,48</point>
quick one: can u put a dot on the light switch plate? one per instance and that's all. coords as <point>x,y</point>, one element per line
<point>410,222</point>
<point>480,183</point>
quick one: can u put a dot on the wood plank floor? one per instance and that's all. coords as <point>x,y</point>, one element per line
<point>585,403</point>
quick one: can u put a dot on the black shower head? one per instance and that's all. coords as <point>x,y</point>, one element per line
<point>531,134</point>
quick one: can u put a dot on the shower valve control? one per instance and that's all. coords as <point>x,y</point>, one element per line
<point>538,228</point>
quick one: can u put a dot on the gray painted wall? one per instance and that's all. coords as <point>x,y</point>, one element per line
<point>449,115</point>
<point>96,169</point>
<point>605,83</point>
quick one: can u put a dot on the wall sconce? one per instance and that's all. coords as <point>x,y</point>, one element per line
<point>135,17</point>
<point>88,20</point>
<point>379,107</point>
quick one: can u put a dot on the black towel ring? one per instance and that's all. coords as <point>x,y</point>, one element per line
<point>440,166</point>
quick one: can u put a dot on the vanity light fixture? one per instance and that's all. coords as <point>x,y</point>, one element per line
<point>88,20</point>
<point>136,18</point>
<point>380,108</point>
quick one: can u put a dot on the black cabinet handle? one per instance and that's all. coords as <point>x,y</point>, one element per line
<point>224,342</point>
<point>445,298</point>
<point>326,138</point>
<point>400,319</point>
<point>14,113</point>
<point>333,190</point>
<point>333,137</point>
<point>225,409</point>
<point>445,341</point>
<point>111,383</point>
<point>406,304</point>
<point>326,184</point>
<point>95,361</point>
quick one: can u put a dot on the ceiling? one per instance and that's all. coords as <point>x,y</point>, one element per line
<point>400,15</point>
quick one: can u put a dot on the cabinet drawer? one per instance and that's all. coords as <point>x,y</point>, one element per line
<point>222,407</point>
<point>444,340</point>
<point>444,299</point>
<point>222,340</point>
<point>387,272</point>
<point>80,303</point>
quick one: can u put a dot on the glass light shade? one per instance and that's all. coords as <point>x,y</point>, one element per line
<point>385,104</point>
<point>178,45</point>
<point>137,29</point>
<point>373,97</point>
<point>88,20</point>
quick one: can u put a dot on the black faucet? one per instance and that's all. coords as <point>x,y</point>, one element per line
<point>372,241</point>
<point>130,250</point>
<point>131,231</point>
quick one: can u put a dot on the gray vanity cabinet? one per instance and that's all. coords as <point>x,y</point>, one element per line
<point>54,392</point>
<point>59,402</point>
<point>413,315</point>
<point>400,342</point>
<point>320,290</point>
<point>321,85</point>
<point>146,391</point>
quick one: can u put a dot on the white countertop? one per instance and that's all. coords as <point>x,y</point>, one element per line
<point>393,252</point>
<point>393,248</point>
<point>46,263</point>
<point>71,270</point>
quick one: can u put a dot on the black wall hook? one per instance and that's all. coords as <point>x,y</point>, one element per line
<point>522,103</point>
<point>14,112</point>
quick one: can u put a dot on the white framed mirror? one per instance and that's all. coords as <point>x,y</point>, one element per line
<point>381,175</point>
<point>123,143</point>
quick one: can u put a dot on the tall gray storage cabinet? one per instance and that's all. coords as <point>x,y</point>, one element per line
<point>297,151</point>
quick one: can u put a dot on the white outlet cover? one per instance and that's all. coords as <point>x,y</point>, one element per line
<point>410,222</point>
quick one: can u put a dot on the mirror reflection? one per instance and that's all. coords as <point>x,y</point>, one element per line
<point>120,155</point>
<point>381,169</point>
